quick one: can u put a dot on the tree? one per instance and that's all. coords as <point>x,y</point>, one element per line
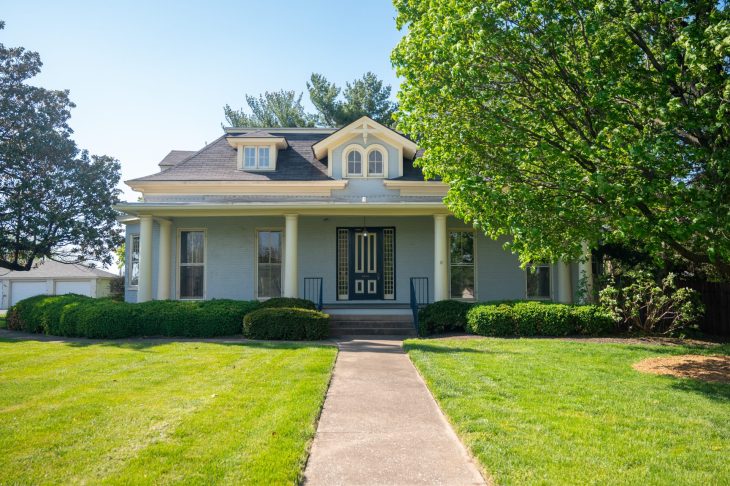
<point>365,96</point>
<point>275,109</point>
<point>55,202</point>
<point>563,121</point>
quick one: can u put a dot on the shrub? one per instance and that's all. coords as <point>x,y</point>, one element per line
<point>40,313</point>
<point>289,302</point>
<point>491,320</point>
<point>286,323</point>
<point>101,319</point>
<point>557,320</point>
<point>207,318</point>
<point>530,318</point>
<point>443,316</point>
<point>592,320</point>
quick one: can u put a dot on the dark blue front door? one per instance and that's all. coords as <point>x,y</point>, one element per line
<point>366,263</point>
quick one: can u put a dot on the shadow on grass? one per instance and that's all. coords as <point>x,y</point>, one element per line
<point>435,347</point>
<point>714,391</point>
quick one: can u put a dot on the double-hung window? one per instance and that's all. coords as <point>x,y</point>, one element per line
<point>192,264</point>
<point>461,264</point>
<point>133,272</point>
<point>257,158</point>
<point>268,263</point>
<point>538,282</point>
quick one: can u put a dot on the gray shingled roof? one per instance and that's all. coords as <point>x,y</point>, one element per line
<point>175,157</point>
<point>217,162</point>
<point>53,269</point>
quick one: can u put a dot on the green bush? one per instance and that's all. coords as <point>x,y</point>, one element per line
<point>288,302</point>
<point>279,323</point>
<point>491,320</point>
<point>443,316</point>
<point>592,320</point>
<point>529,318</point>
<point>101,319</point>
<point>558,321</point>
<point>40,313</point>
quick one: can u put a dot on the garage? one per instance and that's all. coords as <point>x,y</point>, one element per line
<point>73,287</point>
<point>20,290</point>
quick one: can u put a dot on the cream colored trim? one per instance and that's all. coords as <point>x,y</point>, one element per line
<point>273,188</point>
<point>330,162</point>
<point>364,126</point>
<point>418,188</point>
<point>278,142</point>
<point>353,147</point>
<point>303,208</point>
<point>384,152</point>
<point>273,157</point>
<point>400,161</point>
<point>205,262</point>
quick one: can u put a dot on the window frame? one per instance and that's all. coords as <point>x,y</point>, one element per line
<point>130,265</point>
<point>550,282</point>
<point>178,263</point>
<point>272,150</point>
<point>474,263</point>
<point>256,259</point>
<point>364,161</point>
<point>383,153</point>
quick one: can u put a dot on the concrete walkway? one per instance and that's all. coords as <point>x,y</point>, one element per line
<point>380,425</point>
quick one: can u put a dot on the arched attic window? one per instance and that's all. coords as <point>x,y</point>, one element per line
<point>354,162</point>
<point>375,162</point>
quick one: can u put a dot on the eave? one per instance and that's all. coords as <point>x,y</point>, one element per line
<point>237,188</point>
<point>417,188</point>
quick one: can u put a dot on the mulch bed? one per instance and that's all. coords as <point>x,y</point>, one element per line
<point>715,369</point>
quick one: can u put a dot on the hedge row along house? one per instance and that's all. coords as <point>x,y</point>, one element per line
<point>341,217</point>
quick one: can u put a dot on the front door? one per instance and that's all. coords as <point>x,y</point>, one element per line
<point>366,268</point>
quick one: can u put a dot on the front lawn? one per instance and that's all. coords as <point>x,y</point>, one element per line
<point>538,411</point>
<point>158,413</point>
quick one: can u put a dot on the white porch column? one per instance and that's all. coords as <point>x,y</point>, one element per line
<point>441,258</point>
<point>163,263</point>
<point>565,290</point>
<point>144,290</point>
<point>291,248</point>
<point>585,273</point>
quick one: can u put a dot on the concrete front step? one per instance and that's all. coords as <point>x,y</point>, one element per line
<point>371,324</point>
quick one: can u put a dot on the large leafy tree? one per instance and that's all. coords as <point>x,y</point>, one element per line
<point>55,202</point>
<point>364,96</point>
<point>564,121</point>
<point>272,109</point>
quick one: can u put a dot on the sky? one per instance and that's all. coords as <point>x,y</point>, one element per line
<point>148,77</point>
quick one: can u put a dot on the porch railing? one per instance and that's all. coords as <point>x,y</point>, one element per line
<point>419,296</point>
<point>313,290</point>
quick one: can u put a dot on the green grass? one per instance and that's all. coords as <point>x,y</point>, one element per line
<point>556,412</point>
<point>158,413</point>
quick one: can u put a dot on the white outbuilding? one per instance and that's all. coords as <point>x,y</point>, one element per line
<point>53,278</point>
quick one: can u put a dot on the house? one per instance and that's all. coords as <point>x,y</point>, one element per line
<point>304,212</point>
<point>53,278</point>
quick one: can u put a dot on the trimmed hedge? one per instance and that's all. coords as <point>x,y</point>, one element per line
<point>76,315</point>
<point>538,319</point>
<point>443,316</point>
<point>284,323</point>
<point>288,302</point>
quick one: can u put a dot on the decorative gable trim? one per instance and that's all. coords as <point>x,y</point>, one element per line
<point>365,126</point>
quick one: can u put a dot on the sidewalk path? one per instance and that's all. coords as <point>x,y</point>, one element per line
<point>380,425</point>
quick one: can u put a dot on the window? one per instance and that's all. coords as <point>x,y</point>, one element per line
<point>538,282</point>
<point>461,264</point>
<point>257,158</point>
<point>268,269</point>
<point>192,264</point>
<point>133,275</point>
<point>354,163</point>
<point>375,162</point>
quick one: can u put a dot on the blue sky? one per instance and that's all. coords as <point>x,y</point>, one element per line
<point>149,77</point>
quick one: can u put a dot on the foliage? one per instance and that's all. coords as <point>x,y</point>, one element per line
<point>591,413</point>
<point>272,109</point>
<point>365,96</point>
<point>116,288</point>
<point>76,315</point>
<point>443,316</point>
<point>537,319</point>
<point>286,323</point>
<point>289,302</point>
<point>641,303</point>
<point>559,122</point>
<point>151,412</point>
<point>55,201</point>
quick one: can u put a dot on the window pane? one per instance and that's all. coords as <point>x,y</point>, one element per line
<point>269,250</point>
<point>354,163</point>
<point>192,247</point>
<point>191,282</point>
<point>462,247</point>
<point>264,157</point>
<point>538,282</point>
<point>462,282</point>
<point>134,261</point>
<point>249,157</point>
<point>375,162</point>
<point>269,276</point>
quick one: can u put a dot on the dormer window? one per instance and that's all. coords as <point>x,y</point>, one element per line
<point>375,163</point>
<point>359,161</point>
<point>354,163</point>
<point>257,151</point>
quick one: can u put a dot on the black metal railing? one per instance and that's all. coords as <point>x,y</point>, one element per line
<point>419,296</point>
<point>313,290</point>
